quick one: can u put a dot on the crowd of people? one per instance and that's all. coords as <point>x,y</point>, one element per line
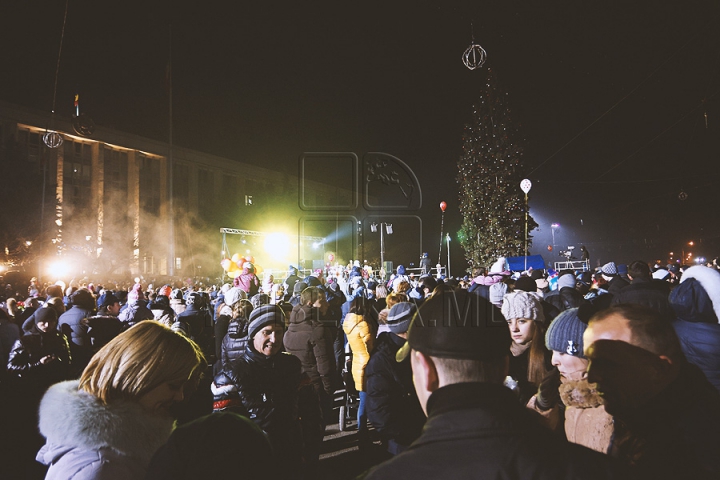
<point>538,374</point>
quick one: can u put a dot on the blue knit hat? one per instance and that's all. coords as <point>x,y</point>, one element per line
<point>565,334</point>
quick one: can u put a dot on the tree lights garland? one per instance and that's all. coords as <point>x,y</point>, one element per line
<point>489,171</point>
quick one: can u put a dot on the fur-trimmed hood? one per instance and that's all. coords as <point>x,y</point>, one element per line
<point>709,280</point>
<point>580,394</point>
<point>71,419</point>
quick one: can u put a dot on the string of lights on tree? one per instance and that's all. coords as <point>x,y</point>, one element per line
<point>489,172</point>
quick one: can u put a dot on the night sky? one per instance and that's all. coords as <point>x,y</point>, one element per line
<point>612,97</point>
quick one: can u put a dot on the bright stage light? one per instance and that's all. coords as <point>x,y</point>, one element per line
<point>58,269</point>
<point>278,245</point>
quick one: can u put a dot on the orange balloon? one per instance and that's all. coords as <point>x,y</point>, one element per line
<point>443,206</point>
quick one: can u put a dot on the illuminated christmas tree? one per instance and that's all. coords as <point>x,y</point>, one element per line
<point>490,171</point>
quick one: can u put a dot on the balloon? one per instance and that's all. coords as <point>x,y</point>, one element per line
<point>240,263</point>
<point>236,273</point>
<point>549,248</point>
<point>225,264</point>
<point>443,206</point>
<point>233,267</point>
<point>250,258</point>
<point>258,269</point>
<point>525,186</point>
<point>236,257</point>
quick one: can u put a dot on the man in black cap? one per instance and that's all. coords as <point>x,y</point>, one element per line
<point>476,429</point>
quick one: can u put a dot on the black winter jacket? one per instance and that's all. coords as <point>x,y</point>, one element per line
<point>201,329</point>
<point>24,360</point>
<point>392,404</point>
<point>102,329</point>
<point>268,390</point>
<point>651,293</point>
<point>675,435</point>
<point>479,431</point>
<point>565,299</point>
<point>234,343</point>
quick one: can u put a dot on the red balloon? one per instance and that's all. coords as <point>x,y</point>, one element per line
<point>443,206</point>
<point>549,248</point>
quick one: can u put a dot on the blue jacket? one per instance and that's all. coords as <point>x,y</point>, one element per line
<point>701,344</point>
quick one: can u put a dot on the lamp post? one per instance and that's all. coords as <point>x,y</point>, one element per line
<point>525,186</point>
<point>384,227</point>
<point>447,239</point>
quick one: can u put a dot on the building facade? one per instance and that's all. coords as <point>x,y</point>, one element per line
<point>121,203</point>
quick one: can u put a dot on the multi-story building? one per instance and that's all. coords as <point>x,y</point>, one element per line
<point>115,203</point>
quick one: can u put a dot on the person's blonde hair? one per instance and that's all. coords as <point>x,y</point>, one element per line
<point>395,298</point>
<point>403,287</point>
<point>140,359</point>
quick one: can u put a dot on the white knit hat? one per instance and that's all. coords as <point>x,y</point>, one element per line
<point>233,296</point>
<point>522,305</point>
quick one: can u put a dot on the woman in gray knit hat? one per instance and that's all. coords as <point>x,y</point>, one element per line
<point>586,421</point>
<point>529,359</point>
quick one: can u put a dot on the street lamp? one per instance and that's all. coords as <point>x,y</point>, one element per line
<point>447,238</point>
<point>384,228</point>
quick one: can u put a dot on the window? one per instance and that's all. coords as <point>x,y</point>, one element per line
<point>77,174</point>
<point>206,191</point>
<point>116,173</point>
<point>29,144</point>
<point>149,185</point>
<point>181,186</point>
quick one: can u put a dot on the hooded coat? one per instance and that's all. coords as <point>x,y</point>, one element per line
<point>309,340</point>
<point>697,319</point>
<point>135,311</point>
<point>360,337</point>
<point>87,439</point>
<point>161,310</point>
<point>248,282</point>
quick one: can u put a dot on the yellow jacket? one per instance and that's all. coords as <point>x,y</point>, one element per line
<point>360,337</point>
